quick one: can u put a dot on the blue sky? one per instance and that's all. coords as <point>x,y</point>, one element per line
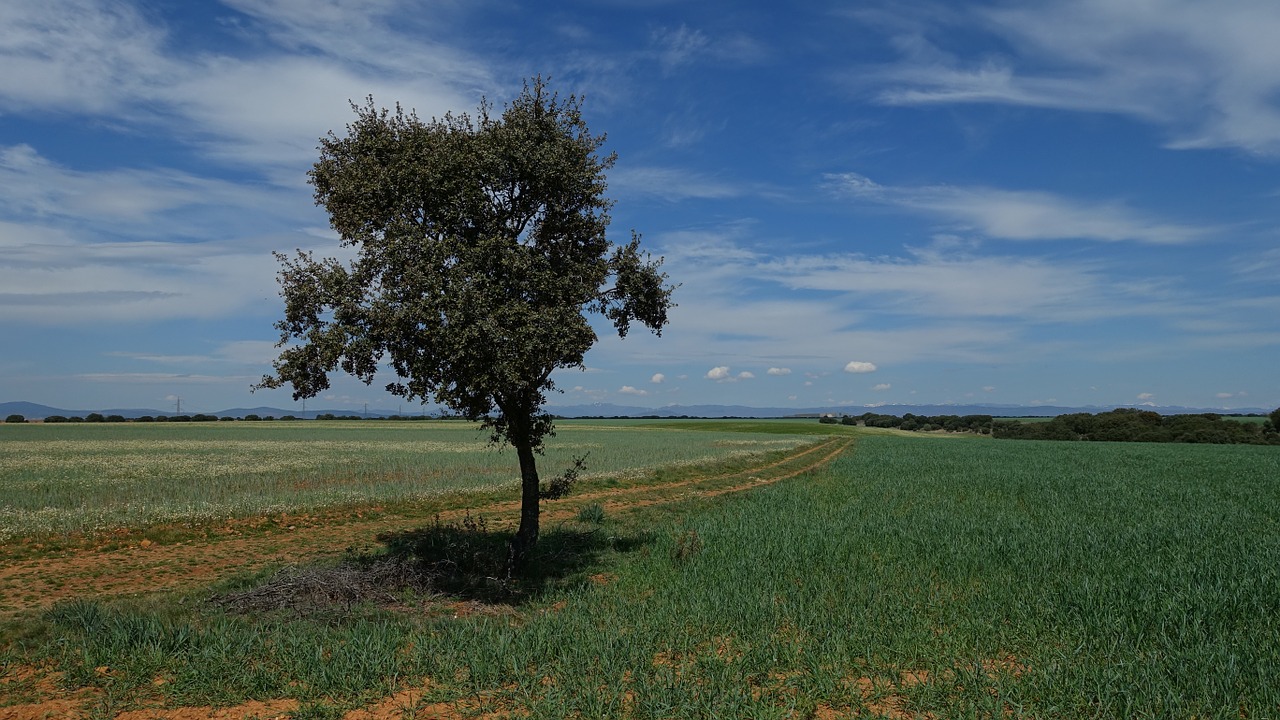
<point>1074,203</point>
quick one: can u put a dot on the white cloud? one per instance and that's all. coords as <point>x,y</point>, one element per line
<point>658,378</point>
<point>779,371</point>
<point>857,366</point>
<point>1019,214</point>
<point>1205,72</point>
<point>1146,396</point>
<point>106,59</point>
<point>882,387</point>
<point>718,373</point>
<point>988,388</point>
<point>746,375</point>
<point>165,378</point>
<point>628,390</point>
<point>677,47</point>
<point>671,184</point>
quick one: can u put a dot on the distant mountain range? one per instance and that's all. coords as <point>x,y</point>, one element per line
<point>34,411</point>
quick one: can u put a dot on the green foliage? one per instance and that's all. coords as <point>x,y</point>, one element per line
<point>94,418</point>
<point>56,419</point>
<point>114,419</point>
<point>1132,425</point>
<point>910,421</point>
<point>1274,417</point>
<point>480,248</point>
<point>592,513</point>
<point>15,418</point>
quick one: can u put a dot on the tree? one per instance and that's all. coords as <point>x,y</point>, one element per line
<point>480,252</point>
<point>1275,419</point>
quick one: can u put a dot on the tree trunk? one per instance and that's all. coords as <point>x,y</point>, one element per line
<point>527,535</point>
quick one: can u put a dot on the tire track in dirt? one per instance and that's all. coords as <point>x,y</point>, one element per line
<point>37,583</point>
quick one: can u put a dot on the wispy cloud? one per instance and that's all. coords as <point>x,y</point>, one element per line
<point>1018,214</point>
<point>1205,72</point>
<point>671,184</point>
<point>264,111</point>
<point>680,46</point>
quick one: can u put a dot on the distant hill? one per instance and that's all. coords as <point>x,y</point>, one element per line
<point>34,411</point>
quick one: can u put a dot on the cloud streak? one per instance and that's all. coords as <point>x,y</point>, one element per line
<point>1205,72</point>
<point>1018,214</point>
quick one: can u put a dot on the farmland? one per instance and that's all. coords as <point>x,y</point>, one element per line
<point>858,574</point>
<point>94,478</point>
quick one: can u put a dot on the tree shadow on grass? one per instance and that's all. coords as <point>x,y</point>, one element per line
<point>463,560</point>
<point>471,562</point>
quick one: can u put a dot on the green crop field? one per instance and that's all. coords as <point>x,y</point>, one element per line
<point>912,577</point>
<point>96,477</point>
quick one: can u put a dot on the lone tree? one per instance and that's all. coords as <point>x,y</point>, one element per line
<point>480,250</point>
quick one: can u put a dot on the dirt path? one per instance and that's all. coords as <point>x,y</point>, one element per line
<point>246,545</point>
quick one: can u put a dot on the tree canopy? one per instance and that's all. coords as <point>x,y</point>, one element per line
<point>480,253</point>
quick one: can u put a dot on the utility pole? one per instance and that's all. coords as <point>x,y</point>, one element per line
<point>178,411</point>
<point>366,411</point>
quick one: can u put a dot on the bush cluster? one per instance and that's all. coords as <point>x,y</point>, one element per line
<point>923,423</point>
<point>1133,425</point>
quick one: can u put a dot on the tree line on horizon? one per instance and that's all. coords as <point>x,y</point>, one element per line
<point>1134,425</point>
<point>1119,425</point>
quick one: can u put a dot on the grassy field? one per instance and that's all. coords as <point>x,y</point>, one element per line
<point>86,478</point>
<point>910,578</point>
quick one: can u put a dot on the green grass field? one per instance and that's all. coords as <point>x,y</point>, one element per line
<point>97,477</point>
<point>911,578</point>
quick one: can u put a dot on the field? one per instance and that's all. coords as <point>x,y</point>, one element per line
<point>855,574</point>
<point>91,478</point>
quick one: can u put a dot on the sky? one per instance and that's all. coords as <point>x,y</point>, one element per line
<point>863,203</point>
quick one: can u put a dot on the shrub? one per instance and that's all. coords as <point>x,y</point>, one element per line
<point>56,419</point>
<point>115,418</point>
<point>252,417</point>
<point>15,419</point>
<point>144,418</point>
<point>593,513</point>
<point>94,417</point>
